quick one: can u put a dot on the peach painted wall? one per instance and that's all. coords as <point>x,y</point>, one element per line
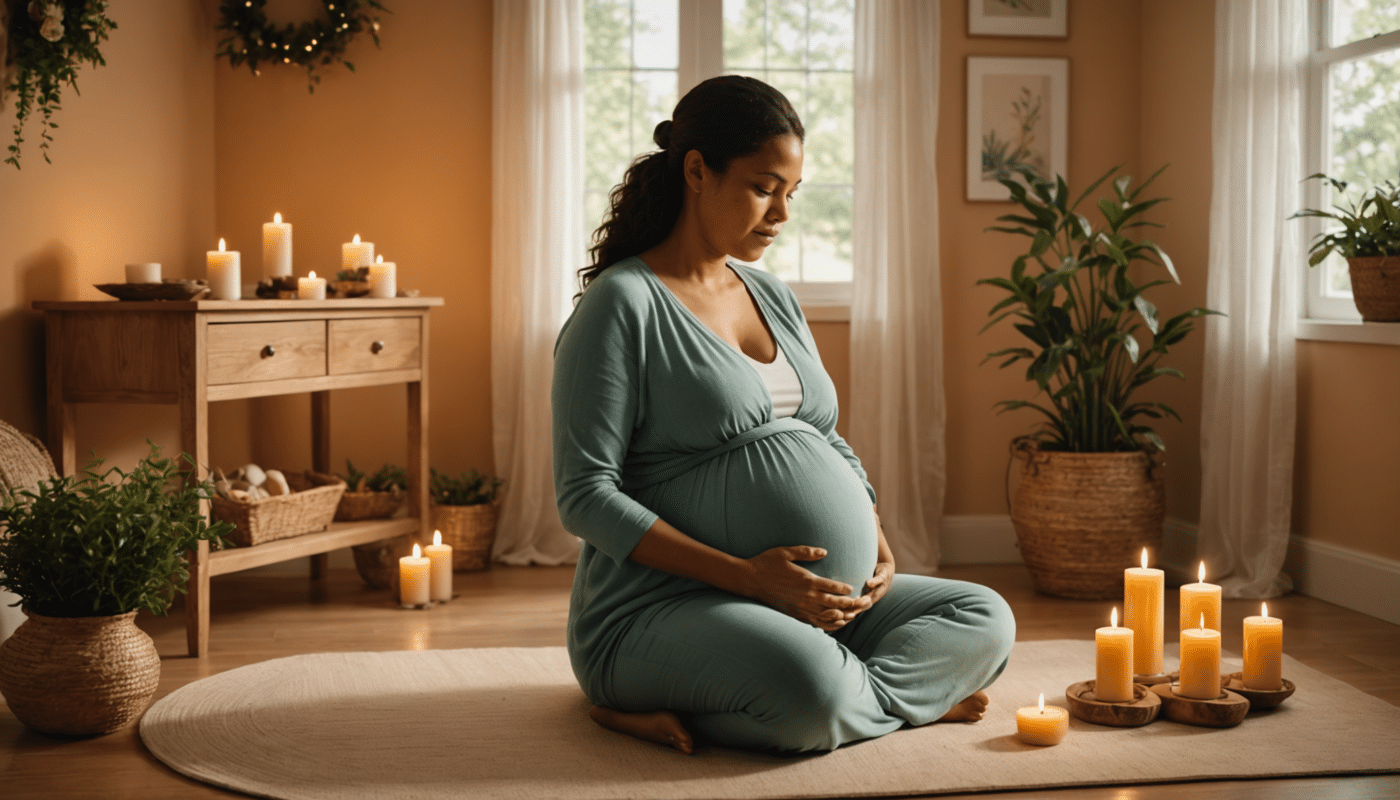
<point>398,151</point>
<point>132,179</point>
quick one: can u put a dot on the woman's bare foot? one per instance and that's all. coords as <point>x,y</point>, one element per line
<point>661,727</point>
<point>969,710</point>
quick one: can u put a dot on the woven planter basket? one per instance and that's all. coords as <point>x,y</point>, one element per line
<point>1082,518</point>
<point>471,530</point>
<point>1375,286</point>
<point>356,506</point>
<point>79,675</point>
<point>309,508</point>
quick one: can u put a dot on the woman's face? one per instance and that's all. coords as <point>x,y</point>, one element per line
<point>742,211</point>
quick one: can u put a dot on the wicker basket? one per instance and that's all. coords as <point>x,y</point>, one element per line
<point>1081,518</point>
<point>309,508</point>
<point>368,505</point>
<point>1375,286</point>
<point>471,530</point>
<point>378,562</point>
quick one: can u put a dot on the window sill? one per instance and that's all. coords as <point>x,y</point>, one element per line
<point>826,313</point>
<point>1341,330</point>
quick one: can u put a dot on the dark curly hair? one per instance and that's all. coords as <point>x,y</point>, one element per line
<point>724,118</point>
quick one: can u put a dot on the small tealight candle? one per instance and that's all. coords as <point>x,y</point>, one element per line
<point>1200,662</point>
<point>355,254</point>
<point>225,282</point>
<point>277,247</point>
<point>1200,598</point>
<point>413,578</point>
<point>1263,652</point>
<point>1040,725</point>
<point>143,273</point>
<point>1142,611</point>
<point>311,287</point>
<point>383,278</point>
<point>1113,663</point>
<point>440,573</point>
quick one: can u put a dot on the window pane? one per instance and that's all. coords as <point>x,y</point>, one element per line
<point>783,256</point>
<point>831,34</point>
<point>826,233</point>
<point>1353,20</point>
<point>830,124</point>
<point>787,35</point>
<point>743,34</point>
<point>1366,119</point>
<point>607,147</point>
<point>595,204</point>
<point>1336,279</point>
<point>653,99</point>
<point>657,40</point>
<point>607,24</point>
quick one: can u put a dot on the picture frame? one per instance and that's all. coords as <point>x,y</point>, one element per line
<point>1045,18</point>
<point>1017,117</point>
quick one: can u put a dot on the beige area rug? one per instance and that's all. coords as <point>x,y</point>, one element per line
<point>512,723</point>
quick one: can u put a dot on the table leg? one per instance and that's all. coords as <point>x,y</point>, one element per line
<point>194,440</point>
<point>320,461</point>
<point>60,414</point>
<point>197,602</point>
<point>418,470</point>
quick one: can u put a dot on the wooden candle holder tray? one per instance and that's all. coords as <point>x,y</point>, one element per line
<point>1258,698</point>
<point>1225,711</point>
<point>1142,709</point>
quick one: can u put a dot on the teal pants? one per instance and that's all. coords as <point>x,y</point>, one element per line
<point>742,674</point>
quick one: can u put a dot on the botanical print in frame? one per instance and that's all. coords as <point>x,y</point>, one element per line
<point>1018,18</point>
<point>1017,119</point>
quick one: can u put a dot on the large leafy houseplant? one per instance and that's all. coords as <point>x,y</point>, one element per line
<point>1094,337</point>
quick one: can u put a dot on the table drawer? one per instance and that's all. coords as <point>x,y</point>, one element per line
<point>374,345</point>
<point>243,352</point>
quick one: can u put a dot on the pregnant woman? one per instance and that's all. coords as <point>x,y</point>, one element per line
<point>734,583</point>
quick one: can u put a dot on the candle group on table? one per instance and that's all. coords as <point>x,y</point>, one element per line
<point>1040,725</point>
<point>355,254</point>
<point>277,247</point>
<point>311,287</point>
<point>1200,598</point>
<point>1113,663</point>
<point>1263,652</point>
<point>1143,593</point>
<point>440,573</point>
<point>225,282</point>
<point>414,580</point>
<point>383,279</point>
<point>1200,662</point>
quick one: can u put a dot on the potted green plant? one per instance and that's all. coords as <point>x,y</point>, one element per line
<point>375,495</point>
<point>1090,495</point>
<point>465,508</point>
<point>84,554</point>
<point>1369,240</point>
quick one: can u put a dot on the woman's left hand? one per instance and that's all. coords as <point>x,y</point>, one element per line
<point>878,584</point>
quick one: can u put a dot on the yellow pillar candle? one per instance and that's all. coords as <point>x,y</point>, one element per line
<point>1200,598</point>
<point>1113,662</point>
<point>1263,652</point>
<point>383,281</point>
<point>277,247</point>
<point>356,254</point>
<point>222,265</point>
<point>1042,726</point>
<point>1143,591</point>
<point>1200,662</point>
<point>311,287</point>
<point>440,573</point>
<point>413,578</point>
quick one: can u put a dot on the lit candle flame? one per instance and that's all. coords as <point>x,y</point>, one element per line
<point>417,551</point>
<point>1144,558</point>
<point>1114,618</point>
<point>221,245</point>
<point>1042,702</point>
<point>1264,609</point>
<point>357,238</point>
<point>379,259</point>
<point>1201,573</point>
<point>311,276</point>
<point>277,217</point>
<point>1203,620</point>
<point>437,537</point>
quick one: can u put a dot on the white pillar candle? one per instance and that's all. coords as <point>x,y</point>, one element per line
<point>277,247</point>
<point>383,278</point>
<point>1042,726</point>
<point>1200,662</point>
<point>225,282</point>
<point>143,273</point>
<point>1263,652</point>
<point>1113,663</point>
<point>311,287</point>
<point>440,573</point>
<point>1200,598</point>
<point>413,578</point>
<point>356,254</point>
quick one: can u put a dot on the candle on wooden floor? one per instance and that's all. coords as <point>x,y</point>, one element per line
<point>440,573</point>
<point>1200,598</point>
<point>1200,662</point>
<point>413,578</point>
<point>1263,652</point>
<point>1040,725</point>
<point>225,283</point>
<point>1113,662</point>
<point>383,279</point>
<point>311,287</point>
<point>277,247</point>
<point>355,254</point>
<point>1142,612</point>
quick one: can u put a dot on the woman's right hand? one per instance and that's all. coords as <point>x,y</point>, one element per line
<point>776,581</point>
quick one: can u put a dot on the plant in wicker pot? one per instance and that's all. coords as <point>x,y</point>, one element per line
<point>376,495</point>
<point>1370,242</point>
<point>84,554</point>
<point>1090,495</point>
<point>465,508</point>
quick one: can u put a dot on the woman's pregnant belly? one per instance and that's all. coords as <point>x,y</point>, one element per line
<point>790,488</point>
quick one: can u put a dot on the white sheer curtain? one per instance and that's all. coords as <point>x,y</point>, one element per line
<point>536,241</point>
<point>1249,392</point>
<point>897,406</point>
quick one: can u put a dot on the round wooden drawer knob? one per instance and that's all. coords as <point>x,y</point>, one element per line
<point>269,351</point>
<point>376,347</point>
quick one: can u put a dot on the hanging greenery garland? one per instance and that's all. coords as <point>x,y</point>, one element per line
<point>255,40</point>
<point>47,42</point>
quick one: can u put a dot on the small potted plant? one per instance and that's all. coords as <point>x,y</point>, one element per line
<point>84,554</point>
<point>465,508</point>
<point>1370,242</point>
<point>352,282</point>
<point>375,495</point>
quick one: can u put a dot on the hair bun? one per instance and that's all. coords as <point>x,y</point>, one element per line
<point>662,134</point>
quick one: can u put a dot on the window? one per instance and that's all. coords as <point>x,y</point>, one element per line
<point>642,55</point>
<point>1354,102</point>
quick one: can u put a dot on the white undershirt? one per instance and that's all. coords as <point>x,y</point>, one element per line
<point>782,382</point>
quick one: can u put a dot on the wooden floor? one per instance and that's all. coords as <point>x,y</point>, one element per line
<point>260,617</point>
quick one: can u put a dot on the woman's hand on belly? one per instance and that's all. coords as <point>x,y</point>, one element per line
<point>775,581</point>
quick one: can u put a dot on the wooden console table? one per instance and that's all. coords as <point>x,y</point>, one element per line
<point>193,353</point>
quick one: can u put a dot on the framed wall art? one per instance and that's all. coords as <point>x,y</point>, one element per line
<point>1018,18</point>
<point>1017,119</point>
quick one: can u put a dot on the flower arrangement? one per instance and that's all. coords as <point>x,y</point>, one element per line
<point>47,42</point>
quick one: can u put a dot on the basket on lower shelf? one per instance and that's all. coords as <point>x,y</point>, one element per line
<point>356,506</point>
<point>309,508</point>
<point>471,530</point>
